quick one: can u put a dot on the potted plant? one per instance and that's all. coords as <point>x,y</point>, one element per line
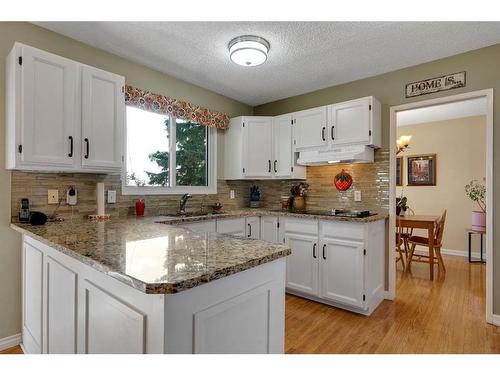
<point>401,205</point>
<point>476,192</point>
<point>299,191</point>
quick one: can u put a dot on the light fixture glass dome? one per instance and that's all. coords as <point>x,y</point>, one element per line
<point>248,50</point>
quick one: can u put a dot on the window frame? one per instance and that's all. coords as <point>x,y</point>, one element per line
<point>175,189</point>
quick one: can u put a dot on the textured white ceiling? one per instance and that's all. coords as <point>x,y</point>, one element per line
<point>304,56</point>
<point>441,112</point>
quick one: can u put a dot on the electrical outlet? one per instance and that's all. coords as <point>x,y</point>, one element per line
<point>52,196</point>
<point>111,196</point>
<point>231,194</point>
<point>357,196</point>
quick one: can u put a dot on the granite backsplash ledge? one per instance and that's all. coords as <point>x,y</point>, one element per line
<point>371,179</point>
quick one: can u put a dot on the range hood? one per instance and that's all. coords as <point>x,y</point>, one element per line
<point>343,154</point>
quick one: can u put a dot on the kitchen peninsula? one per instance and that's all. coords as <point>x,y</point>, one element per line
<point>134,285</point>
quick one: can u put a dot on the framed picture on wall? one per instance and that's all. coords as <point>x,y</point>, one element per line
<point>421,170</point>
<point>399,171</point>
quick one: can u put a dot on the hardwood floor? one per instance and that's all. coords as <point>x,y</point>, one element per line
<point>15,350</point>
<point>441,316</point>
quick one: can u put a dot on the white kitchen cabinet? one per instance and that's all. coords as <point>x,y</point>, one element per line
<point>257,146</point>
<point>61,115</point>
<point>41,110</point>
<point>336,263</point>
<point>32,299</point>
<point>235,227</point>
<point>269,229</point>
<point>342,271</point>
<point>284,157</point>
<point>103,117</point>
<point>355,122</point>
<point>310,128</point>
<point>253,227</point>
<point>70,307</point>
<point>302,265</point>
<point>260,147</point>
<point>60,312</point>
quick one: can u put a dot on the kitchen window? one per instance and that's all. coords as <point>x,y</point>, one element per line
<point>166,155</point>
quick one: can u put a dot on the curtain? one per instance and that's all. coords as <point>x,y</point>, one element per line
<point>178,108</point>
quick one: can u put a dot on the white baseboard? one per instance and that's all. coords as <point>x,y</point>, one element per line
<point>388,295</point>
<point>495,320</point>
<point>10,341</point>
<point>458,253</point>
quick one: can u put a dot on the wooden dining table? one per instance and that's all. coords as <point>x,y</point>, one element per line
<point>428,222</point>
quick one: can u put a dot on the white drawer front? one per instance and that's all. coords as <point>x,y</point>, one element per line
<point>306,226</point>
<point>340,229</point>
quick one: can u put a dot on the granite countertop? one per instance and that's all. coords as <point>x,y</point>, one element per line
<point>152,257</point>
<point>263,212</point>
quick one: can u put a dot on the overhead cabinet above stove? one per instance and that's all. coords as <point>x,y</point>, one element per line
<point>62,116</point>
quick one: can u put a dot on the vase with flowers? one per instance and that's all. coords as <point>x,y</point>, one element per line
<point>299,192</point>
<point>476,192</point>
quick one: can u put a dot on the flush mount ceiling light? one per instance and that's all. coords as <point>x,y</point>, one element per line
<point>248,50</point>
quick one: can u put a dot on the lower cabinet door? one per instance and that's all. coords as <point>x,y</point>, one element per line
<point>32,299</point>
<point>61,308</point>
<point>112,326</point>
<point>235,227</point>
<point>269,229</point>
<point>342,271</point>
<point>253,227</point>
<point>302,264</point>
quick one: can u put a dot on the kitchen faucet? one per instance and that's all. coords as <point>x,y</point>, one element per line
<point>184,199</point>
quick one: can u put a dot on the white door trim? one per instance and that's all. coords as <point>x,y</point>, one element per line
<point>488,95</point>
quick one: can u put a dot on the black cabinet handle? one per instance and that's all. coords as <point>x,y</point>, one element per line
<point>314,251</point>
<point>331,133</point>
<point>275,166</point>
<point>324,247</point>
<point>323,133</point>
<point>70,146</point>
<point>269,166</point>
<point>87,143</point>
<point>249,230</point>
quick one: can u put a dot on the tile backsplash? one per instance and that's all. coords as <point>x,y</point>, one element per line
<point>371,179</point>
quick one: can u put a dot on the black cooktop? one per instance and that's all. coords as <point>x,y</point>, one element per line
<point>338,212</point>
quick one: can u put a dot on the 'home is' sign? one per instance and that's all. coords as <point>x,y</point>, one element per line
<point>428,86</point>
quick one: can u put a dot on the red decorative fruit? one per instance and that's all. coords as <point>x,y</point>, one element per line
<point>343,180</point>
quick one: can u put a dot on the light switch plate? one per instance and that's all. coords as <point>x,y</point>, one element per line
<point>231,194</point>
<point>111,196</point>
<point>52,196</point>
<point>357,196</point>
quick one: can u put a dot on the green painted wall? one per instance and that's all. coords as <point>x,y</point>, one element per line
<point>135,74</point>
<point>483,72</point>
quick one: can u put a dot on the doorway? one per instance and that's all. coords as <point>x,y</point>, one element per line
<point>487,97</point>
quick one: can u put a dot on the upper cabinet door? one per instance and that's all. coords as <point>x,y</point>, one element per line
<point>310,128</point>
<point>48,106</point>
<point>257,146</point>
<point>103,116</point>
<point>283,153</point>
<point>349,122</point>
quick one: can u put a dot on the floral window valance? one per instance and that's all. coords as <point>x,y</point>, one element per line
<point>180,109</point>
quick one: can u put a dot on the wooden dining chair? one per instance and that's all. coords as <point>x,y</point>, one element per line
<point>401,254</point>
<point>413,241</point>
<point>406,233</point>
